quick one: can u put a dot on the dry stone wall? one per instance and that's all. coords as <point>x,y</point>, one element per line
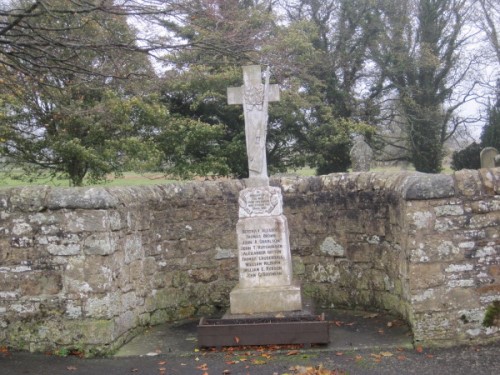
<point>88,268</point>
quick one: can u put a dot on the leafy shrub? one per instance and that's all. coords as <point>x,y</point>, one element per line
<point>468,158</point>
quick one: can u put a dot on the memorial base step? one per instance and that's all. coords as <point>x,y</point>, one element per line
<point>267,299</point>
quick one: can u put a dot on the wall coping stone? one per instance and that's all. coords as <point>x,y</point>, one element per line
<point>407,185</point>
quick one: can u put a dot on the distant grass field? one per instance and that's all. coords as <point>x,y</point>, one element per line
<point>128,179</point>
<point>132,179</point>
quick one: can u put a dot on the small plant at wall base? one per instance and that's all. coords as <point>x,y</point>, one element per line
<point>492,315</point>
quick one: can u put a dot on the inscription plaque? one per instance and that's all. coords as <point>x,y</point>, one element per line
<point>264,258</point>
<point>261,201</point>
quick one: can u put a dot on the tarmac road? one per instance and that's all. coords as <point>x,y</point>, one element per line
<point>463,360</point>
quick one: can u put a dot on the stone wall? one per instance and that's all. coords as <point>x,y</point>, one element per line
<point>87,268</point>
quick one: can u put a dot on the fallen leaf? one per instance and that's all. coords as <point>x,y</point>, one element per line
<point>293,352</point>
<point>203,367</point>
<point>401,357</point>
<point>236,339</point>
<point>258,362</point>
<point>429,356</point>
<point>358,357</point>
<point>370,316</point>
<point>161,363</point>
<point>162,369</point>
<point>71,368</point>
<point>339,354</point>
<point>134,370</point>
<point>389,324</point>
<point>381,331</point>
<point>152,354</point>
<point>226,372</point>
<point>386,354</point>
<point>419,349</point>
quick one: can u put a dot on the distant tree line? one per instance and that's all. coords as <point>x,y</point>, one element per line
<point>90,88</point>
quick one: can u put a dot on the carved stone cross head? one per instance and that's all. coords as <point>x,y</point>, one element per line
<point>255,97</point>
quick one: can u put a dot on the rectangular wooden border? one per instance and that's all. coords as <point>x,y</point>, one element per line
<point>275,331</point>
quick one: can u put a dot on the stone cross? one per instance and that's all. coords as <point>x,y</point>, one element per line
<point>255,98</point>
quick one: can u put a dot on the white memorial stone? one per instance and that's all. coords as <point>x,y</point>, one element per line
<point>361,155</point>
<point>265,264</point>
<point>488,155</point>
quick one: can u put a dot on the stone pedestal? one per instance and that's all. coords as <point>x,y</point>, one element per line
<point>265,263</point>
<point>272,299</point>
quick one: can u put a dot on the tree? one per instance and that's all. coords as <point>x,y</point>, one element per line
<point>220,37</point>
<point>490,136</point>
<point>31,30</point>
<point>329,66</point>
<point>72,120</point>
<point>417,51</point>
<point>489,23</point>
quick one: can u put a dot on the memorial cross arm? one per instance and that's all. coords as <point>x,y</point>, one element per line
<point>255,97</point>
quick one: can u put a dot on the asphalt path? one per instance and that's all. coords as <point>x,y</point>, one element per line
<point>475,360</point>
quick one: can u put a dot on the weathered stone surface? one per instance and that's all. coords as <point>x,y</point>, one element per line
<point>269,299</point>
<point>80,198</point>
<point>468,183</point>
<point>29,199</point>
<point>361,155</point>
<point>255,98</point>
<point>426,276</point>
<point>331,247</point>
<point>487,156</point>
<point>424,186</point>
<point>99,244</point>
<point>491,181</point>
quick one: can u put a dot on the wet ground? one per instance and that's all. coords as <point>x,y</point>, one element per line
<point>348,330</point>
